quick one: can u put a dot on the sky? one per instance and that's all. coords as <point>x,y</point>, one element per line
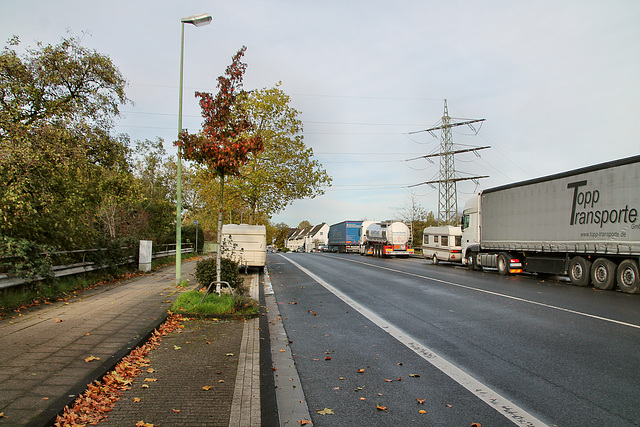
<point>557,82</point>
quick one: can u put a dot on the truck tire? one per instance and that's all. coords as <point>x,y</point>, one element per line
<point>579,271</point>
<point>603,274</point>
<point>628,277</point>
<point>503,264</point>
<point>435,259</point>
<point>472,261</point>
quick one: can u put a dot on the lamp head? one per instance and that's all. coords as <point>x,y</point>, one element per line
<point>197,20</point>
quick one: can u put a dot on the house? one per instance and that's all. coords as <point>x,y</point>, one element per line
<point>307,238</point>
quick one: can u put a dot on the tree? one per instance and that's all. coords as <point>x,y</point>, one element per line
<point>304,224</point>
<point>226,139</point>
<point>58,163</point>
<point>278,232</point>
<point>54,84</point>
<point>285,170</point>
<point>416,217</point>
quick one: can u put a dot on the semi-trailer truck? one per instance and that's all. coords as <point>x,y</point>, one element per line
<point>345,236</point>
<point>387,238</point>
<point>583,223</point>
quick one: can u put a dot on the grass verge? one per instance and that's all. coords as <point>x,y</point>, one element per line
<point>188,303</point>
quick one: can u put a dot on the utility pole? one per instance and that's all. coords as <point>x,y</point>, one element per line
<point>447,188</point>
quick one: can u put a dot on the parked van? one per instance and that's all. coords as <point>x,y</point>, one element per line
<point>247,244</point>
<point>442,243</point>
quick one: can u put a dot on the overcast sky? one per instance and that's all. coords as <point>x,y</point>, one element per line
<point>557,81</point>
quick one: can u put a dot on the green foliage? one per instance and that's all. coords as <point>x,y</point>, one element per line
<point>225,304</point>
<point>24,258</point>
<point>285,170</point>
<point>64,179</point>
<point>229,272</point>
<point>189,235</point>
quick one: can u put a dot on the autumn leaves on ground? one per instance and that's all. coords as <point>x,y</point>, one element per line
<point>100,396</point>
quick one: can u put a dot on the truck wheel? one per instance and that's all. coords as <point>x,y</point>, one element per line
<point>579,270</point>
<point>472,261</point>
<point>603,274</point>
<point>435,259</point>
<point>503,264</point>
<point>628,277</point>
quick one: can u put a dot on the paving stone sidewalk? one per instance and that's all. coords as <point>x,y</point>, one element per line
<point>192,382</point>
<point>43,351</point>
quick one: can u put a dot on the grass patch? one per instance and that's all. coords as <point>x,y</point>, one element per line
<point>214,305</point>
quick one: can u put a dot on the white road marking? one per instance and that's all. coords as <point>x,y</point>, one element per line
<point>501,404</point>
<point>554,307</point>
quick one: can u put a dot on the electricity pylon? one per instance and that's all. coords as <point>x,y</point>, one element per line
<point>447,189</point>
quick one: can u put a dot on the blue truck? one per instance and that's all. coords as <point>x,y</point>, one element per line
<point>345,236</point>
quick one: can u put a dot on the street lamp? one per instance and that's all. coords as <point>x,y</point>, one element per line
<point>199,21</point>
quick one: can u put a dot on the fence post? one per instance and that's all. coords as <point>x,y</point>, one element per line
<point>146,251</point>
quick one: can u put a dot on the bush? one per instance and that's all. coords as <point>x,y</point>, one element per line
<point>206,272</point>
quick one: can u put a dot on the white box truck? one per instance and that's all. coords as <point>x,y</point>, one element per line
<point>246,244</point>
<point>442,244</point>
<point>584,223</point>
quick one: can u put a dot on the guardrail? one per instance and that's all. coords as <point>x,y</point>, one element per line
<point>7,281</point>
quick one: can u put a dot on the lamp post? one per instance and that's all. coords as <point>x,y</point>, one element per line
<point>198,21</point>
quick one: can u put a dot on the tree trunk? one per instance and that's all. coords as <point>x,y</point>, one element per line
<point>219,252</point>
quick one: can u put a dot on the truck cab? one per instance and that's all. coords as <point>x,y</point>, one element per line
<point>471,231</point>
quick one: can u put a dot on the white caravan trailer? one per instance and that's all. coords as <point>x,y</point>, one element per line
<point>442,243</point>
<point>247,244</point>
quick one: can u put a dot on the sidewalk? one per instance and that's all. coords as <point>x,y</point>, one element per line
<point>43,368</point>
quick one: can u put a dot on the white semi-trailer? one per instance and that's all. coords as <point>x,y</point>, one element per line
<point>584,223</point>
<point>387,238</point>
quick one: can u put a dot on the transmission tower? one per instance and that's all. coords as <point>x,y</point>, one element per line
<point>447,189</point>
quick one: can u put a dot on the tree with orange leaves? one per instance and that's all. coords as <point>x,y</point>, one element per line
<point>225,140</point>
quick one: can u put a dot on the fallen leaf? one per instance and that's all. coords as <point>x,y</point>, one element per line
<point>476,425</point>
<point>360,371</point>
<point>145,385</point>
<point>45,398</point>
<point>421,401</point>
<point>87,334</point>
<point>363,398</point>
<point>389,381</point>
<point>177,411</point>
<point>58,320</point>
<point>282,350</point>
<point>150,380</point>
<point>229,354</point>
<point>207,387</point>
<point>381,408</point>
<point>176,347</point>
<point>304,422</point>
<point>151,370</point>
<point>422,411</point>
<point>221,381</point>
<point>325,411</point>
<point>327,358</point>
<point>136,399</point>
<point>2,415</point>
<point>414,375</point>
<point>91,359</point>
<point>143,424</point>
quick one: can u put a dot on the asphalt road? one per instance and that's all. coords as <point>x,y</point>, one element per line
<point>373,337</point>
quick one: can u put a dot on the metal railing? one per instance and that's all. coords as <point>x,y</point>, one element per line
<point>83,266</point>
